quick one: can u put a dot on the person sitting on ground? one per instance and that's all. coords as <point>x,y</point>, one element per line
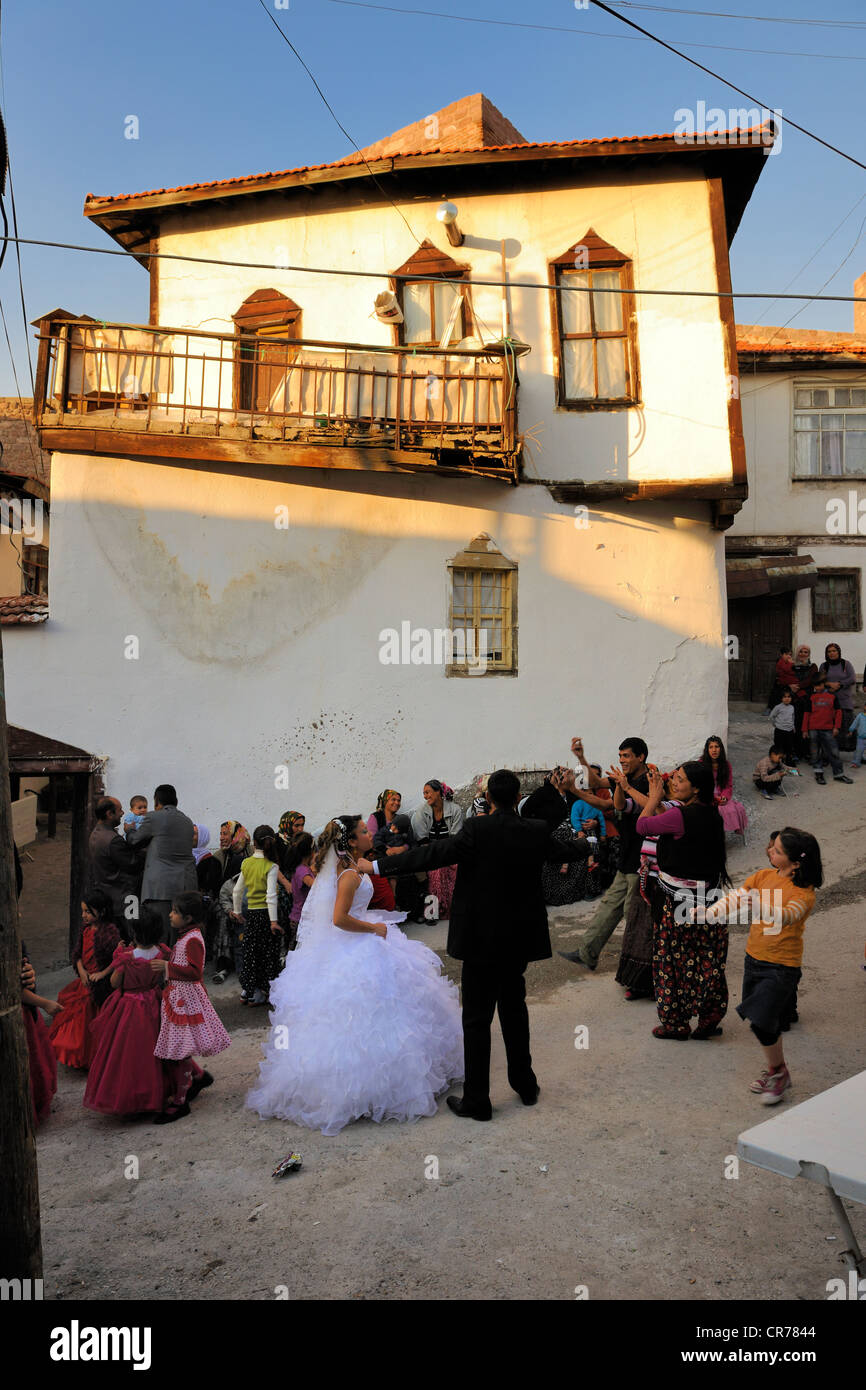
<point>388,804</point>
<point>821,722</point>
<point>769,772</point>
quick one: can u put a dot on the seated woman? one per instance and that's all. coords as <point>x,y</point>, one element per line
<point>733,813</point>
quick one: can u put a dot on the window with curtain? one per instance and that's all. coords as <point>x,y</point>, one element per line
<point>829,431</point>
<point>430,304</point>
<point>593,324</point>
<point>483,609</point>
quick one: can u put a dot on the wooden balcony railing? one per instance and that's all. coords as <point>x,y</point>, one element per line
<point>456,407</point>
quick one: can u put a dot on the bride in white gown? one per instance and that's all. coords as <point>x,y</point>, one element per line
<point>363,1021</point>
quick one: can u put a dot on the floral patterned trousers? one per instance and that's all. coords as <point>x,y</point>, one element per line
<point>688,971</point>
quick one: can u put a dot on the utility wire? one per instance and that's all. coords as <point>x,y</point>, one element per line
<point>433,279</point>
<point>718,77</point>
<point>591,33</point>
<point>758,18</point>
<point>817,252</point>
<point>356,147</point>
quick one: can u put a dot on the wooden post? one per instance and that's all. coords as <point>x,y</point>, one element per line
<point>20,1238</point>
<point>82,822</point>
<point>51,799</point>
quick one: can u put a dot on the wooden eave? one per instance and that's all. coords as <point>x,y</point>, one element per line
<point>752,362</point>
<point>133,221</point>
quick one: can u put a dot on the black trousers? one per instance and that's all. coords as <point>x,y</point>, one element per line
<point>487,987</point>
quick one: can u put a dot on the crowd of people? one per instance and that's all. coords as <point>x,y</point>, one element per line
<point>650,845</point>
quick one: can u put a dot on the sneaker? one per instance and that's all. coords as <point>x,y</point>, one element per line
<point>843,778</point>
<point>759,1083</point>
<point>775,1087</point>
<point>768,796</point>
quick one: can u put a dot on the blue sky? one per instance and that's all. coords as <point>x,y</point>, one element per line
<point>218,94</point>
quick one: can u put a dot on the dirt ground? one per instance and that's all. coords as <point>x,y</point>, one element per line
<point>615,1181</point>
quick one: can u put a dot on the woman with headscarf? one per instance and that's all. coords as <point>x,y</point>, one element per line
<point>805,672</point>
<point>290,828</point>
<point>387,807</point>
<point>291,825</point>
<point>841,679</point>
<point>439,817</point>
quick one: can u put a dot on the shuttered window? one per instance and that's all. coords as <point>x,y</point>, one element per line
<point>836,601</point>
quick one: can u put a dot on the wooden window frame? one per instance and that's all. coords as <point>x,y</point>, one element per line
<point>36,557</point>
<point>426,265</point>
<point>482,555</point>
<point>600,255</point>
<point>854,573</point>
<point>263,309</point>
<point>839,384</point>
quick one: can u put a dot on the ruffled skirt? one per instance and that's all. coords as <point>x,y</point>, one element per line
<point>360,1026</point>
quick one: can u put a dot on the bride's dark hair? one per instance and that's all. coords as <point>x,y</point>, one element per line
<point>335,833</point>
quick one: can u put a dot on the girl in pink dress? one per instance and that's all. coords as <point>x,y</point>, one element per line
<point>125,1078</point>
<point>70,1034</point>
<point>43,1062</point>
<point>733,813</point>
<point>190,1023</point>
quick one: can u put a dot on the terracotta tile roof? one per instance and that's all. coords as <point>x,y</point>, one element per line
<point>95,203</point>
<point>26,608</point>
<point>764,341</point>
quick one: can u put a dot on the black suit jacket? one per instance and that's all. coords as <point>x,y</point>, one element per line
<point>497,910</point>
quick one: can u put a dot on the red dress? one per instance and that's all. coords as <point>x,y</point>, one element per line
<point>125,1078</point>
<point>70,1032</point>
<point>43,1063</point>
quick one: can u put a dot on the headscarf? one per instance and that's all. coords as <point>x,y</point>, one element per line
<point>479,805</point>
<point>201,850</point>
<point>383,797</point>
<point>240,837</point>
<point>442,787</point>
<point>286,827</point>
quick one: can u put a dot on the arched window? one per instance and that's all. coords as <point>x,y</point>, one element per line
<point>483,610</point>
<point>594,333</point>
<point>266,323</point>
<point>434,310</point>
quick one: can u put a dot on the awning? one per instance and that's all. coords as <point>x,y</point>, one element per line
<point>751,576</point>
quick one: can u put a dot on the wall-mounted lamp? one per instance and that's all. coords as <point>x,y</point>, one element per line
<point>446,213</point>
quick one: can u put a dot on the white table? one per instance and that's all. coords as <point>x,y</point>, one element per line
<point>824,1139</point>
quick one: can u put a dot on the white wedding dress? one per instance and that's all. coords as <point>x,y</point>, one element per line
<point>360,1026</point>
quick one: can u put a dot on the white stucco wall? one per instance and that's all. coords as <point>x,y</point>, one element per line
<point>660,219</point>
<point>260,646</point>
<point>781,507</point>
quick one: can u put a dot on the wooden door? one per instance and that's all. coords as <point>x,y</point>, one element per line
<point>761,626</point>
<point>265,356</point>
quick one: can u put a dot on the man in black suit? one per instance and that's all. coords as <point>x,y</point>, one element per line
<point>498,924</point>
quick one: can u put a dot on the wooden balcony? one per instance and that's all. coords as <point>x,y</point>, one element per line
<point>181,393</point>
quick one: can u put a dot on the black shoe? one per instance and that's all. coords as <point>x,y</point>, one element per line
<point>576,959</point>
<point>177,1112</point>
<point>701,1034</point>
<point>820,779</point>
<point>843,778</point>
<point>530,1097</point>
<point>199,1085</point>
<point>459,1106</point>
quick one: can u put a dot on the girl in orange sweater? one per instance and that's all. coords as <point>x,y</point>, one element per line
<point>778,902</point>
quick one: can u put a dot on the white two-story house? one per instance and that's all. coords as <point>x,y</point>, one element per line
<point>356,423</point>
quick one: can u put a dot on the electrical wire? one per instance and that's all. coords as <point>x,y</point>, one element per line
<point>355,146</point>
<point>433,279</point>
<point>589,33</point>
<point>756,18</point>
<point>606,9</point>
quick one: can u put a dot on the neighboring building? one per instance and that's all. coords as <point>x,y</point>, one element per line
<point>269,503</point>
<point>797,550</point>
<point>24,480</point>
